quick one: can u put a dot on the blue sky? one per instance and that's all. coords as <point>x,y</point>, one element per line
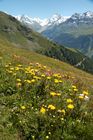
<point>45,8</point>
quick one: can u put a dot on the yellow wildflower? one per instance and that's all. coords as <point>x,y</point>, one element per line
<point>32,73</point>
<point>43,75</point>
<point>69,100</point>
<point>18,80</point>
<point>70,106</point>
<point>28,81</point>
<point>56,80</point>
<point>57,75</point>
<point>58,94</point>
<point>60,81</point>
<point>33,80</point>
<point>48,77</point>
<point>47,137</point>
<point>44,67</point>
<point>17,68</point>
<point>63,111</point>
<point>11,68</point>
<point>74,87</point>
<point>81,97</point>
<point>85,92</point>
<point>42,110</point>
<point>36,77</point>
<point>23,107</point>
<point>35,70</point>
<point>52,107</point>
<point>19,65</point>
<point>52,93</point>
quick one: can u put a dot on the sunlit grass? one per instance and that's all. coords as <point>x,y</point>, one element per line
<point>43,98</point>
<point>43,104</point>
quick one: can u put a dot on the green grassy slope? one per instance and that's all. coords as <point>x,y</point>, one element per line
<point>24,111</point>
<point>9,53</point>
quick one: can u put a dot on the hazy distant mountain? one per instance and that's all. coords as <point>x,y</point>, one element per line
<point>76,32</point>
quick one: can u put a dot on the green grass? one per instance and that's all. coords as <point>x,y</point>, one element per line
<point>32,98</point>
<point>9,51</point>
<point>25,96</point>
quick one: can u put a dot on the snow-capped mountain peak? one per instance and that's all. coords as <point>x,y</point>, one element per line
<point>25,19</point>
<point>88,14</point>
<point>57,19</point>
<point>76,16</point>
<point>28,20</point>
<point>41,24</point>
<point>18,17</point>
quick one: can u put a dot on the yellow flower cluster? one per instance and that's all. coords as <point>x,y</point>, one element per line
<point>52,107</point>
<point>57,81</point>
<point>85,92</point>
<point>70,106</point>
<point>69,101</point>
<point>23,107</point>
<point>74,88</point>
<point>42,110</point>
<point>54,94</point>
<point>58,97</point>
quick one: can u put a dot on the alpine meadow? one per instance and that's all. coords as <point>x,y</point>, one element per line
<point>46,72</point>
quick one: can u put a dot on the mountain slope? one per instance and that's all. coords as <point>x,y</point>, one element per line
<point>76,32</point>
<point>26,81</point>
<point>20,36</point>
<point>12,54</point>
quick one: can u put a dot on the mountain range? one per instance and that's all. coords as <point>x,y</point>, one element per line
<point>56,19</point>
<point>75,31</point>
<point>41,24</point>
